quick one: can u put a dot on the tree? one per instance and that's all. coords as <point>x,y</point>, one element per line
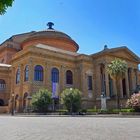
<point>4,4</point>
<point>117,69</point>
<point>71,98</point>
<point>41,100</point>
<point>134,102</point>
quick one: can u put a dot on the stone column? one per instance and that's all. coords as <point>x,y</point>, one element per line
<point>127,84</point>
<point>133,79</point>
<point>76,83</point>
<point>45,75</point>
<point>83,81</point>
<point>136,78</point>
<point>130,80</point>
<point>107,81</point>
<point>31,76</point>
<point>62,78</point>
<point>21,85</point>
<point>13,79</point>
<point>48,76</point>
<point>98,82</point>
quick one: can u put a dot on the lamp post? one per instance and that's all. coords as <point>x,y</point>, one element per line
<point>29,98</point>
<point>12,111</point>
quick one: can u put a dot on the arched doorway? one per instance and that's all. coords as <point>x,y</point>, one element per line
<point>16,102</point>
<point>25,100</point>
<point>1,102</point>
<point>55,81</point>
<point>55,87</point>
<point>103,82</point>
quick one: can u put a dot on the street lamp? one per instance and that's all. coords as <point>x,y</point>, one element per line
<point>12,111</point>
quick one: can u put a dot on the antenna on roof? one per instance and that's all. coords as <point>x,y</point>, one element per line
<point>50,24</point>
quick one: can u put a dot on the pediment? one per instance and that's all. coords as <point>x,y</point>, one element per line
<point>125,53</point>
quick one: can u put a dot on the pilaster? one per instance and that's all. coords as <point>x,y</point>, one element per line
<point>127,84</point>
<point>107,81</point>
<point>31,75</point>
<point>62,78</point>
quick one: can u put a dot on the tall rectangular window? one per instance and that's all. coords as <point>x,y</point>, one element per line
<point>89,82</point>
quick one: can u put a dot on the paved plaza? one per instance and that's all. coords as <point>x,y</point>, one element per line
<point>69,128</point>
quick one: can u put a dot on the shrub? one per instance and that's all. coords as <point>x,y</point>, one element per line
<point>127,110</point>
<point>41,100</point>
<point>134,102</point>
<point>92,110</point>
<point>71,98</point>
<point>83,110</point>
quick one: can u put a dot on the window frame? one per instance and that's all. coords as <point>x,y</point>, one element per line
<point>38,73</point>
<point>69,77</point>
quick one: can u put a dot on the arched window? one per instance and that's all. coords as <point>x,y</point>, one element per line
<point>38,73</point>
<point>69,77</point>
<point>26,73</point>
<point>89,82</point>
<point>18,76</point>
<point>55,75</point>
<point>2,84</point>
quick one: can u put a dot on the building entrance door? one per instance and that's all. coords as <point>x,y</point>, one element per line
<point>124,87</point>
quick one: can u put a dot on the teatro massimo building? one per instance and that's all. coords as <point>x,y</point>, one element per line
<point>49,58</point>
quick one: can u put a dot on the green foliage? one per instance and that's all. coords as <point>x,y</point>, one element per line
<point>127,110</point>
<point>41,100</point>
<point>83,110</point>
<point>117,69</point>
<point>71,98</point>
<point>4,4</point>
<point>110,111</point>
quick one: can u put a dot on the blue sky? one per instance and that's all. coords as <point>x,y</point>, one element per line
<point>91,23</point>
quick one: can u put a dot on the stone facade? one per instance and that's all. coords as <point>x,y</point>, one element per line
<point>50,49</point>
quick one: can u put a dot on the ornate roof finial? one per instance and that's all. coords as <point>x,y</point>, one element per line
<point>105,47</point>
<point>50,24</point>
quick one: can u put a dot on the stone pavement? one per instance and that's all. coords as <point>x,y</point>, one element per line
<point>69,128</point>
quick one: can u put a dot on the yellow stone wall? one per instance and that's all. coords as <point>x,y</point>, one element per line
<point>5,92</point>
<point>81,66</point>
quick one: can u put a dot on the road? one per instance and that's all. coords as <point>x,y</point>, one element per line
<point>69,128</point>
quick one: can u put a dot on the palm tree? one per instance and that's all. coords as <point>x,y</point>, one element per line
<point>117,69</point>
